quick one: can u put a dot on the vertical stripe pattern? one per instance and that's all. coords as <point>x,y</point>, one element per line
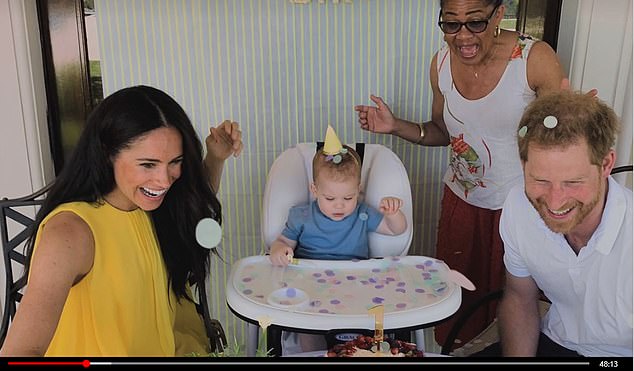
<point>284,71</point>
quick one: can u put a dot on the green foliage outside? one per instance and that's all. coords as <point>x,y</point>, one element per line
<point>508,24</point>
<point>96,85</point>
<point>511,8</point>
<point>235,350</point>
<point>95,68</point>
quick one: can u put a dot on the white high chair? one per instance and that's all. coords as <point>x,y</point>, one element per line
<point>382,174</point>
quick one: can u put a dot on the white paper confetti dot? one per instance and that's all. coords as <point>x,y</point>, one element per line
<point>550,121</point>
<point>208,233</point>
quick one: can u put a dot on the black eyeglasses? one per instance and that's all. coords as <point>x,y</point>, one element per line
<point>475,26</point>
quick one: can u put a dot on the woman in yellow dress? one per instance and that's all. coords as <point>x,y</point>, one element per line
<point>114,252</point>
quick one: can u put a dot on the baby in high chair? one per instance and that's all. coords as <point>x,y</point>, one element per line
<point>336,225</point>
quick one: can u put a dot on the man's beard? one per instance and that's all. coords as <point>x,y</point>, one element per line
<point>567,225</point>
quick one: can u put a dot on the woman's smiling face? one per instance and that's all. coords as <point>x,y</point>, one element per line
<point>471,48</point>
<point>145,170</point>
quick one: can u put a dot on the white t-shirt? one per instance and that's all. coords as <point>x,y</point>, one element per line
<point>591,293</point>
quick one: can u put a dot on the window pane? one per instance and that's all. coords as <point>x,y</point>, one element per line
<point>94,59</point>
<point>510,15</point>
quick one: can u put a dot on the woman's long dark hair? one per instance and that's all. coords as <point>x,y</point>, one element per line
<point>88,176</point>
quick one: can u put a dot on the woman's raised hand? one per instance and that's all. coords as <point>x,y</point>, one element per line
<point>377,119</point>
<point>224,140</point>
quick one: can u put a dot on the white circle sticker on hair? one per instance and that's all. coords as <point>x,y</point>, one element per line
<point>522,132</point>
<point>208,233</point>
<point>550,121</point>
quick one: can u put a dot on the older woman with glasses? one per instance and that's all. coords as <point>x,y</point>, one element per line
<point>481,79</point>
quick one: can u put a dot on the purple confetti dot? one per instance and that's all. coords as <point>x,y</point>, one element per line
<point>419,290</point>
<point>329,273</point>
<point>247,292</point>
<point>433,270</point>
<point>400,284</point>
<point>401,305</point>
<point>323,311</point>
<point>364,282</point>
<point>246,279</point>
<point>335,301</point>
<point>351,278</point>
<point>291,293</point>
<point>390,279</point>
<point>400,290</point>
<point>316,274</point>
<point>375,270</point>
<point>373,280</point>
<point>429,262</point>
<point>321,280</point>
<point>337,282</point>
<point>378,286</point>
<point>377,300</point>
<point>420,266</point>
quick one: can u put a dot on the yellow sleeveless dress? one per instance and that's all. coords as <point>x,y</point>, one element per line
<point>123,307</point>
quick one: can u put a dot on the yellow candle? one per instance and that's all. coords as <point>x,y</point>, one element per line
<point>378,312</point>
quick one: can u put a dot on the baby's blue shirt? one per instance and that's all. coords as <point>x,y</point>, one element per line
<point>319,237</point>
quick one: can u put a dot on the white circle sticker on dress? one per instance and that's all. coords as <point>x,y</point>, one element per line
<point>208,233</point>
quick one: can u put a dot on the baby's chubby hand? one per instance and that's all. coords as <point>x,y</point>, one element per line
<point>281,255</point>
<point>390,205</point>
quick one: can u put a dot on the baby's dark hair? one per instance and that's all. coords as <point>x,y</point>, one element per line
<point>348,167</point>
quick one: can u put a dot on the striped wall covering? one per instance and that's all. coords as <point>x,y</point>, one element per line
<point>284,71</point>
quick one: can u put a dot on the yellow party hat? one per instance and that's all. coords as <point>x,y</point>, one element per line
<point>332,144</point>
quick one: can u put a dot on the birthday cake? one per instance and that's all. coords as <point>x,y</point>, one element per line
<point>364,346</point>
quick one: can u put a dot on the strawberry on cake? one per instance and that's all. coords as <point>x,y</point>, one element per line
<point>364,346</point>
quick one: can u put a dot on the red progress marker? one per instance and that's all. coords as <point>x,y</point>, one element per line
<point>85,363</point>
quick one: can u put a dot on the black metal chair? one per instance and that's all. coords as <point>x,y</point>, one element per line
<point>16,222</point>
<point>621,169</point>
<point>17,218</point>
<point>447,346</point>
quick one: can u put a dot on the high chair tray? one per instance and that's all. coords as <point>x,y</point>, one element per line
<point>330,294</point>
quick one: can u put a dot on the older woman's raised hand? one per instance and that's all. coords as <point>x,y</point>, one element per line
<point>224,140</point>
<point>565,85</point>
<point>377,119</point>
